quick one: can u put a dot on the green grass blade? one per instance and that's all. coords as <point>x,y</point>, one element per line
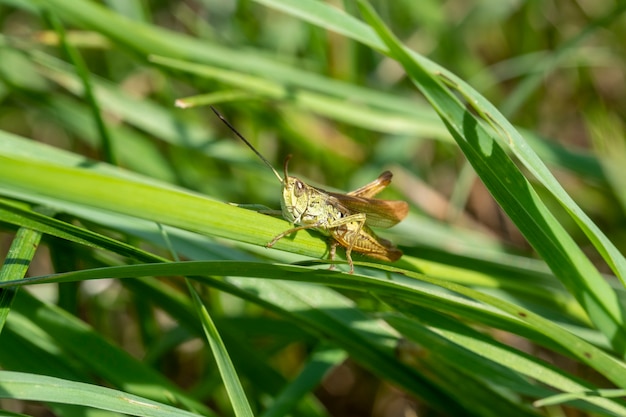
<point>572,396</point>
<point>232,384</point>
<point>320,363</point>
<point>15,265</point>
<point>422,123</point>
<point>48,389</point>
<point>455,344</point>
<point>13,214</point>
<point>82,71</point>
<point>74,344</point>
<point>165,204</point>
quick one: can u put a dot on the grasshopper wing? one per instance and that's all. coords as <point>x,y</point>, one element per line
<point>371,189</point>
<point>379,213</point>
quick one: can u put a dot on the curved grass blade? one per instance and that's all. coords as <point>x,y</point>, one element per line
<point>48,389</point>
<point>163,204</point>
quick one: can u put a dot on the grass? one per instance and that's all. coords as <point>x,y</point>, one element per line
<point>160,297</point>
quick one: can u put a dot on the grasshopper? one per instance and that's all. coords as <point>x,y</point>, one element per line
<point>345,218</point>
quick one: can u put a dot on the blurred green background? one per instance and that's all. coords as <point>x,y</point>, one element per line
<point>102,80</point>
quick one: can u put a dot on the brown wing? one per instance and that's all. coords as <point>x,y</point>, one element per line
<point>379,213</point>
<point>371,189</point>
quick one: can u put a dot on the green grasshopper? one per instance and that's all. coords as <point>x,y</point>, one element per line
<point>343,217</point>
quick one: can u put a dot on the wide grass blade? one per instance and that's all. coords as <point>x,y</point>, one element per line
<point>43,388</point>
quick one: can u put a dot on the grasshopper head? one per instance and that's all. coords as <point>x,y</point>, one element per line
<point>295,197</point>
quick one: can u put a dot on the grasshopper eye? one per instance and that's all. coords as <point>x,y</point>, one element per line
<point>299,188</point>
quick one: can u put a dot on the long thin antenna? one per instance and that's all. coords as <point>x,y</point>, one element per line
<point>247,143</point>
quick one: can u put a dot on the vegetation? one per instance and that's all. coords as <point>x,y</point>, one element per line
<point>502,123</point>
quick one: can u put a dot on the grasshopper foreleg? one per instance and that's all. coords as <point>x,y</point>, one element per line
<point>290,231</point>
<point>348,227</point>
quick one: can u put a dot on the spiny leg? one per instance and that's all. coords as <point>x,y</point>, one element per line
<point>349,248</point>
<point>349,258</point>
<point>344,222</point>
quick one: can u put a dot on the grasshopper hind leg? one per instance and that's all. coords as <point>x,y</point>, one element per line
<point>332,252</point>
<point>347,235</point>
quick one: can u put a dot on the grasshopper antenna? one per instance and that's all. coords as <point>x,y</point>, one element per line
<point>246,142</point>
